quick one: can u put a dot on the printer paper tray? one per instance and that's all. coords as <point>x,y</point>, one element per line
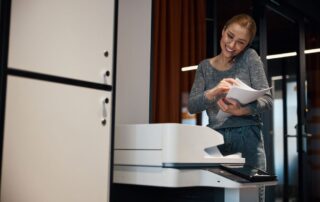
<point>155,158</point>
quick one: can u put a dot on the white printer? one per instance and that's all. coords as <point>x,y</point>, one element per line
<point>177,155</point>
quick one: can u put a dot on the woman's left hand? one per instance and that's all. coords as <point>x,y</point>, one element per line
<point>232,106</point>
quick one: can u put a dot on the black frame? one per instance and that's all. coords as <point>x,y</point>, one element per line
<point>292,15</point>
<point>113,112</point>
<point>4,33</point>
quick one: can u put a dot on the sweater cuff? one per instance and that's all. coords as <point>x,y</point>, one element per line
<point>208,101</point>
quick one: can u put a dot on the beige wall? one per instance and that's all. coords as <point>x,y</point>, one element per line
<point>133,61</point>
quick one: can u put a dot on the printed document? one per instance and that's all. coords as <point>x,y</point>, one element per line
<point>244,94</point>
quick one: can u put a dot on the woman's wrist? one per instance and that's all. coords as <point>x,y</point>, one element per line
<point>209,95</point>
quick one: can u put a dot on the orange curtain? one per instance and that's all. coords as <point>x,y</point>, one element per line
<point>179,39</point>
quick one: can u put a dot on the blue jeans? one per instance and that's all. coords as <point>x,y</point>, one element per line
<point>249,141</point>
<point>246,139</point>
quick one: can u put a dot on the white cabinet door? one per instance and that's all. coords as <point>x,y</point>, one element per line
<point>55,147</point>
<point>66,38</point>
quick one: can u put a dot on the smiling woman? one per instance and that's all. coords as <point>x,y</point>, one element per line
<point>215,77</point>
<point>235,38</point>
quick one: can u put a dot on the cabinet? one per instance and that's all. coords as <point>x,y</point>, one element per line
<point>55,147</point>
<point>67,38</point>
<point>58,103</point>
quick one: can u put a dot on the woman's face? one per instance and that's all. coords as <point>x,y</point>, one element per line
<point>234,39</point>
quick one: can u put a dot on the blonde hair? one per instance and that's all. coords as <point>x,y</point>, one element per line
<point>245,21</point>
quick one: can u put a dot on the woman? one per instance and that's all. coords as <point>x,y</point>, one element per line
<point>214,77</point>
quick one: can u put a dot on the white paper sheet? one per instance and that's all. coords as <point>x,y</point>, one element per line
<point>244,94</point>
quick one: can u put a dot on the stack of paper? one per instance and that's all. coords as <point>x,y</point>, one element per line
<point>244,94</point>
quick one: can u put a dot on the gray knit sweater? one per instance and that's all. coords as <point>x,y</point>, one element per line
<point>248,68</point>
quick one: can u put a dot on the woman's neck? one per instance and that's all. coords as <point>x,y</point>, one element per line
<point>225,60</point>
<point>222,63</point>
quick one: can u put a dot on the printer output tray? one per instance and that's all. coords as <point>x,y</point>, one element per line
<point>250,173</point>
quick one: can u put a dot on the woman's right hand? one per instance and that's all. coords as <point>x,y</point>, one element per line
<point>222,88</point>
